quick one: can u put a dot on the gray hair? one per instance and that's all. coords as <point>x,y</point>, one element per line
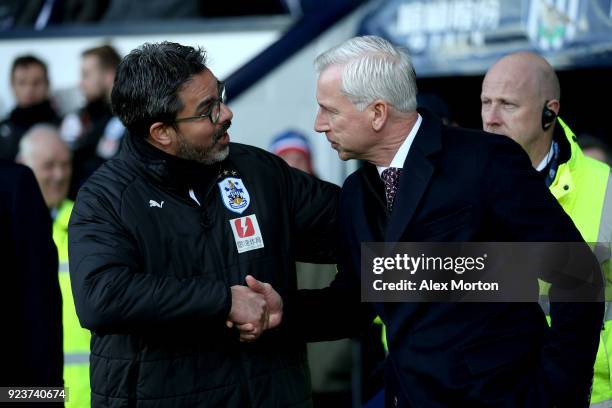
<point>373,69</point>
<point>26,144</point>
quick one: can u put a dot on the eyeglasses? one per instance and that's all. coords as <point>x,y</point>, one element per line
<point>214,112</point>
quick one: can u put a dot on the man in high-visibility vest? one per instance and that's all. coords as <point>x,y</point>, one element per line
<point>520,99</point>
<point>48,156</point>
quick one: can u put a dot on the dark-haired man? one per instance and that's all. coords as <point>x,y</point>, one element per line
<point>30,84</point>
<point>163,238</point>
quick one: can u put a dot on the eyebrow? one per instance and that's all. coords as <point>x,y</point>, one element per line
<point>327,107</point>
<point>203,103</point>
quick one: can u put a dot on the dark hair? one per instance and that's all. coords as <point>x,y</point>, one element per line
<point>109,57</point>
<point>148,82</point>
<point>27,60</point>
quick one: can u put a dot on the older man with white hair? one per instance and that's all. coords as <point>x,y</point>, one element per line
<point>426,182</point>
<point>43,150</point>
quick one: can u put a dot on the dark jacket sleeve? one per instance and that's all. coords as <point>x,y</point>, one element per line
<point>36,258</point>
<point>113,293</point>
<point>313,207</point>
<point>336,311</point>
<point>330,313</point>
<point>521,204</point>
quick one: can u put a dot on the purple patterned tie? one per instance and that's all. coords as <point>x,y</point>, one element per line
<point>391,178</point>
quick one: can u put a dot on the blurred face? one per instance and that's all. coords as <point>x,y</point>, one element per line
<point>199,139</point>
<point>347,129</point>
<point>50,161</point>
<point>29,85</point>
<point>596,153</point>
<point>511,104</point>
<point>94,79</point>
<point>296,159</point>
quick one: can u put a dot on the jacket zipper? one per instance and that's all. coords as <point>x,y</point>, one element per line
<point>244,377</point>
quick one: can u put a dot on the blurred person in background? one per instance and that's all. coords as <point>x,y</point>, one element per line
<point>30,85</point>
<point>43,150</point>
<point>330,362</point>
<point>30,299</point>
<point>595,148</point>
<point>520,98</point>
<point>293,147</point>
<point>93,133</point>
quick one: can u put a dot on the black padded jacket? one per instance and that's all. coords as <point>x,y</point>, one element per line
<point>151,274</point>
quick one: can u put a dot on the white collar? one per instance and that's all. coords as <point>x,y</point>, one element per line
<point>546,159</point>
<point>402,152</point>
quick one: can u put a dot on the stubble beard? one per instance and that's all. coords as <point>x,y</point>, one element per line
<point>204,155</point>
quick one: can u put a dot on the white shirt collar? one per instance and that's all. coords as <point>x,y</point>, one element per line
<point>546,159</point>
<point>402,152</point>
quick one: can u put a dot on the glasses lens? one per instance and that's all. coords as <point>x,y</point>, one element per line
<point>222,91</point>
<point>215,112</point>
<point>216,108</point>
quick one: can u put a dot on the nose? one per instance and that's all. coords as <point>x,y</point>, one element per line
<point>60,172</point>
<point>226,113</point>
<point>320,124</point>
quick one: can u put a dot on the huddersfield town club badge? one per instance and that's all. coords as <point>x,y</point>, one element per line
<point>234,194</point>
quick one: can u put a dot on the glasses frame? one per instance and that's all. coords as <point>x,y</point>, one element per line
<point>216,103</point>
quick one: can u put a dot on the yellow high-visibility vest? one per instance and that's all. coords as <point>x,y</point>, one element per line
<point>76,339</point>
<point>582,187</point>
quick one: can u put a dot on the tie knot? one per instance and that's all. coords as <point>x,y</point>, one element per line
<point>391,175</point>
<point>391,178</point>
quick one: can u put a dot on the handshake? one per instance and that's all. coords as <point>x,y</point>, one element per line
<point>255,308</point>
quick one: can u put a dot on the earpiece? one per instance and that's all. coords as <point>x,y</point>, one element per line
<point>548,117</point>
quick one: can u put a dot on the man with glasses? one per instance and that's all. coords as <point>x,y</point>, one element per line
<point>171,241</point>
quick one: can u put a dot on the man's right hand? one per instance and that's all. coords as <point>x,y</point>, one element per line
<point>273,310</point>
<point>248,307</point>
<point>248,331</point>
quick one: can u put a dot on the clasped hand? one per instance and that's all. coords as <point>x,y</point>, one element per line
<point>255,308</point>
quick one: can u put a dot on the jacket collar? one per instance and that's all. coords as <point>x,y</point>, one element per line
<point>163,168</point>
<point>416,175</point>
<point>41,112</point>
<point>564,182</point>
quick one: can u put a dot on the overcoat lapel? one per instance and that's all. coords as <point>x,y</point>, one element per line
<point>416,175</point>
